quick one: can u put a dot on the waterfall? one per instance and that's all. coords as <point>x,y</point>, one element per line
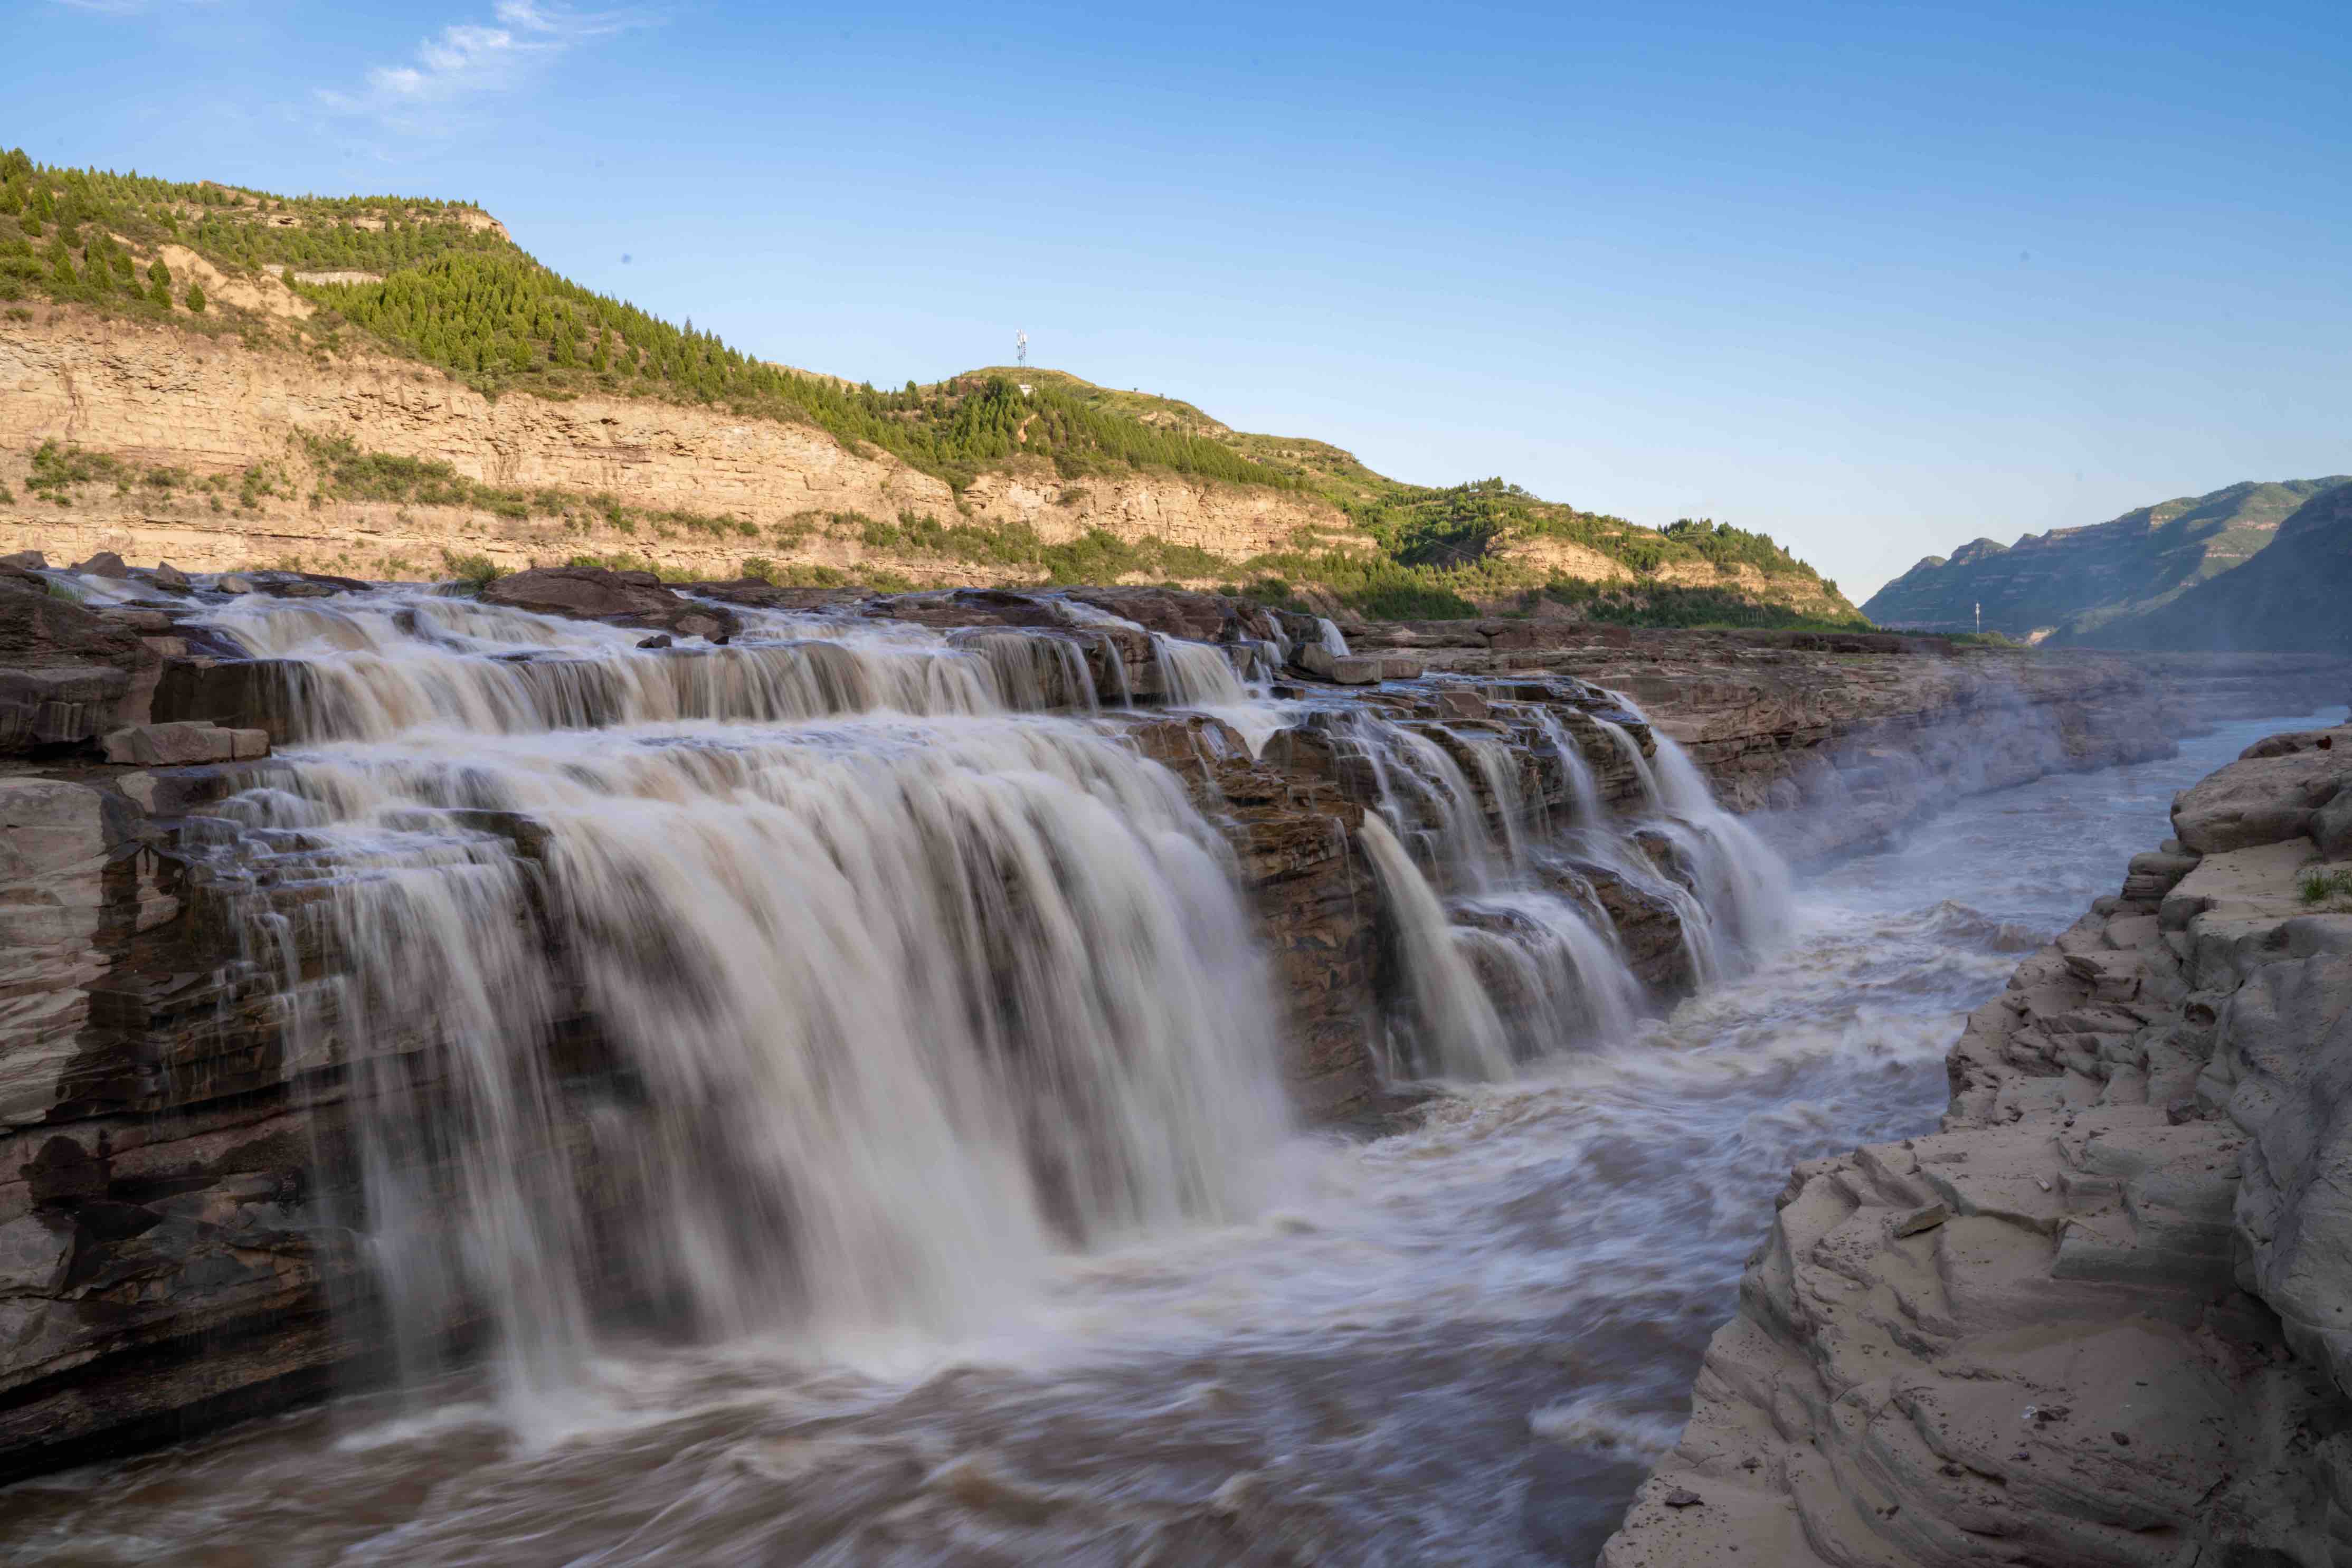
<point>831,981</point>
<point>1544,966</point>
<point>384,665</point>
<point>1200,675</point>
<point>1334,643</point>
<point>1743,882</point>
<point>1456,1032</point>
<point>1197,674</point>
<point>832,1001</point>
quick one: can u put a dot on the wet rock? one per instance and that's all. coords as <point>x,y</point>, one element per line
<point>166,575</point>
<point>26,560</point>
<point>179,743</point>
<point>636,598</point>
<point>658,640</point>
<point>267,695</point>
<point>105,563</point>
<point>64,672</point>
<point>235,583</point>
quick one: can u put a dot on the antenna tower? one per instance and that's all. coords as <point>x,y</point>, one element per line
<point>1021,347</point>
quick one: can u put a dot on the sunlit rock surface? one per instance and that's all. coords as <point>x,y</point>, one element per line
<point>2100,1316</point>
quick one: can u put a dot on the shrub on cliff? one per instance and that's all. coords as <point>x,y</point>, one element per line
<point>196,298</point>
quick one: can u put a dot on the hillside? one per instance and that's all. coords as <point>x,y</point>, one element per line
<point>2069,582</point>
<point>389,385</point>
<point>2293,597</point>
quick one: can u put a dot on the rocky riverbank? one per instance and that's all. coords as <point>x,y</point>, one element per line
<point>168,1149</point>
<point>2099,1317</point>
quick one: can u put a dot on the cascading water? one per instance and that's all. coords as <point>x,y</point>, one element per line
<point>1524,920</point>
<point>894,991</point>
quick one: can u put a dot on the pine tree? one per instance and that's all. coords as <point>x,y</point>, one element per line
<point>196,298</point>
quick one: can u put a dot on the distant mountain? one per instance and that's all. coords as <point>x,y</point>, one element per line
<point>2293,597</point>
<point>2068,582</point>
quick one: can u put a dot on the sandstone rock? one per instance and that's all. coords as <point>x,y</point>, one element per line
<point>658,640</point>
<point>105,563</point>
<point>175,744</point>
<point>1347,671</point>
<point>2068,1367</point>
<point>26,560</point>
<point>1396,669</point>
<point>2331,826</point>
<point>235,583</point>
<point>2263,798</point>
<point>166,575</point>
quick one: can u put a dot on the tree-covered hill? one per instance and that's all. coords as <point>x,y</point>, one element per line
<point>443,284</point>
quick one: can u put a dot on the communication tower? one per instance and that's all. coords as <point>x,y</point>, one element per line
<point>1020,347</point>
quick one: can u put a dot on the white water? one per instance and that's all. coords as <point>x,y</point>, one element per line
<point>1551,972</point>
<point>1460,1345</point>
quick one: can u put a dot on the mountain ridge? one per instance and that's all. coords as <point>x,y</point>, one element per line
<point>2068,582</point>
<point>2293,597</point>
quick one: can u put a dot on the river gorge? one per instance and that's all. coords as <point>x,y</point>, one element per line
<point>1110,1076</point>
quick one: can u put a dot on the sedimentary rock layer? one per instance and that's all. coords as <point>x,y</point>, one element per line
<point>2100,1316</point>
<point>171,399</point>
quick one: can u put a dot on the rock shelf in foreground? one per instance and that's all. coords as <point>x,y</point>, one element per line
<point>2103,1316</point>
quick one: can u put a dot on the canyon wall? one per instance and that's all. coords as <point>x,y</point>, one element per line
<point>2099,1316</point>
<point>166,397</point>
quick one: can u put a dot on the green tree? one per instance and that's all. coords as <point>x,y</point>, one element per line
<point>196,298</point>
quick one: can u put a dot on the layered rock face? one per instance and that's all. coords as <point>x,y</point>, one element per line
<point>2099,1317</point>
<point>172,399</point>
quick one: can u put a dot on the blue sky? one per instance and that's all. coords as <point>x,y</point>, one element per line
<point>1878,278</point>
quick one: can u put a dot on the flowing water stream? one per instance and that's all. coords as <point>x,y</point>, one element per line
<point>941,1113</point>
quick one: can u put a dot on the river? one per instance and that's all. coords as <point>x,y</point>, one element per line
<point>1461,1344</point>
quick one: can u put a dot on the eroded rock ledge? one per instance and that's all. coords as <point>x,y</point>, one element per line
<point>2103,1316</point>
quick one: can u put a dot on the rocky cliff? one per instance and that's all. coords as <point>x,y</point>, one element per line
<point>2099,1317</point>
<point>684,488</point>
<point>2076,579</point>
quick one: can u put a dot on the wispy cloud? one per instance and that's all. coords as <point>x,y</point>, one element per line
<point>467,60</point>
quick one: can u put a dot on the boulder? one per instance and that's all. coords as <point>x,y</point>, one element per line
<point>2270,795</point>
<point>1345,670</point>
<point>658,640</point>
<point>2331,826</point>
<point>105,563</point>
<point>235,583</point>
<point>166,575</point>
<point>26,560</point>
